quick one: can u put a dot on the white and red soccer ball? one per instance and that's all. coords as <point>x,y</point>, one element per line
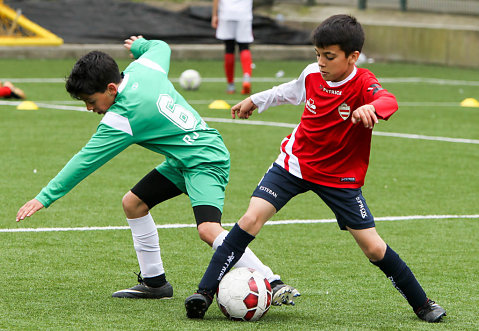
<point>244,294</point>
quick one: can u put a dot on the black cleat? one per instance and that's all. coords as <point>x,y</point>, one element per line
<point>283,294</point>
<point>431,312</point>
<point>197,304</point>
<point>143,291</point>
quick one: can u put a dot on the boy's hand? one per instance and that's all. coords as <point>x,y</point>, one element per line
<point>214,21</point>
<point>128,42</point>
<point>365,114</point>
<point>28,209</point>
<point>244,109</point>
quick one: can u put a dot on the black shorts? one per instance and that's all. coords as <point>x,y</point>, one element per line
<point>278,186</point>
<point>155,188</point>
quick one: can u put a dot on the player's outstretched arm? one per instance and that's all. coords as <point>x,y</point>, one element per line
<point>28,209</point>
<point>365,114</point>
<point>244,109</point>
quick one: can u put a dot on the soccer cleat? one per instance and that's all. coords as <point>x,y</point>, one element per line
<point>283,294</point>
<point>197,304</point>
<point>431,312</point>
<point>246,88</point>
<point>143,291</point>
<point>230,88</point>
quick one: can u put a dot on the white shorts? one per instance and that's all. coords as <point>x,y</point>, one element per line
<point>241,31</point>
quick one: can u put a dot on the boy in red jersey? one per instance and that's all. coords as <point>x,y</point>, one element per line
<point>328,153</point>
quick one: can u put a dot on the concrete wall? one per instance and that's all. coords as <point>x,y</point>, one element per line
<point>455,47</point>
<point>419,43</point>
<point>416,44</point>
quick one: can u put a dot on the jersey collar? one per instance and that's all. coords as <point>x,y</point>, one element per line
<point>344,81</point>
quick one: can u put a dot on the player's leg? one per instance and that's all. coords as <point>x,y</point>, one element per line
<point>213,234</point>
<point>353,214</point>
<point>225,32</point>
<point>8,90</point>
<point>224,258</point>
<point>384,257</point>
<point>269,196</point>
<point>148,192</point>
<point>206,190</point>
<point>229,65</point>
<point>244,37</point>
<point>246,63</point>
<point>15,92</point>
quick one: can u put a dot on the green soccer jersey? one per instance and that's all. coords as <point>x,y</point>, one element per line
<point>148,111</point>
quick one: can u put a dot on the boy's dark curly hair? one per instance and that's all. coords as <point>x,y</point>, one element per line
<point>91,74</point>
<point>342,30</point>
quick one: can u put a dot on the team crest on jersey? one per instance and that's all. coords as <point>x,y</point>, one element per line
<point>344,111</point>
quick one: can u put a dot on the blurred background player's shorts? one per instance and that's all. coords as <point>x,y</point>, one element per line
<point>241,31</point>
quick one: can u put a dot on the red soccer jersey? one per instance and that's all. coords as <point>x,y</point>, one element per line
<point>326,147</point>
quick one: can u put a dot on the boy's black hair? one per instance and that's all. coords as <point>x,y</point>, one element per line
<point>91,74</point>
<point>342,30</point>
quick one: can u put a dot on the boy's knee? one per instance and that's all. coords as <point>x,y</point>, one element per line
<point>251,222</point>
<point>208,231</point>
<point>133,206</point>
<point>375,252</point>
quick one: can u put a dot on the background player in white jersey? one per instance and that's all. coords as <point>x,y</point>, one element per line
<point>142,107</point>
<point>327,153</point>
<point>233,21</point>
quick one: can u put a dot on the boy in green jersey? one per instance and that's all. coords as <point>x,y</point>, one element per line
<point>141,106</point>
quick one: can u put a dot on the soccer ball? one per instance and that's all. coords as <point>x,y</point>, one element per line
<point>244,294</point>
<point>190,79</point>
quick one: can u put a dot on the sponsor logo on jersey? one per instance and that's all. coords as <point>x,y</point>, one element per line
<point>268,190</point>
<point>362,210</point>
<point>344,111</point>
<point>311,106</point>
<point>348,179</point>
<point>329,91</point>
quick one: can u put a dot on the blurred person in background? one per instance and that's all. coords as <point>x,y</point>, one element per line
<point>8,90</point>
<point>233,21</point>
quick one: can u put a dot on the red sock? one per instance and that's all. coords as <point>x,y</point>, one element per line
<point>230,67</point>
<point>245,57</point>
<point>5,92</point>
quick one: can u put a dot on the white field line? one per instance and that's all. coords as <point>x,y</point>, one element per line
<point>234,101</point>
<point>180,226</point>
<point>275,124</point>
<point>390,80</point>
<point>376,133</point>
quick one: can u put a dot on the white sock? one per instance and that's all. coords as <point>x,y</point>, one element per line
<point>147,246</point>
<point>249,259</point>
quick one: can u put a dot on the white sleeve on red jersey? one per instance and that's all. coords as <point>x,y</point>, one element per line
<point>293,92</point>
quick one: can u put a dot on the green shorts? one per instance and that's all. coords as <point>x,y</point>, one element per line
<point>204,184</point>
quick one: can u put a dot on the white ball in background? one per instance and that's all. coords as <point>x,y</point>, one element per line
<point>190,79</point>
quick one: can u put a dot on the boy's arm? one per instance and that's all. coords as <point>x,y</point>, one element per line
<point>292,92</point>
<point>151,50</point>
<point>243,109</point>
<point>105,144</point>
<point>385,105</point>
<point>214,14</point>
<point>380,104</point>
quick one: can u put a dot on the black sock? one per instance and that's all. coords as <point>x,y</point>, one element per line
<point>225,257</point>
<point>402,278</point>
<point>156,281</point>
